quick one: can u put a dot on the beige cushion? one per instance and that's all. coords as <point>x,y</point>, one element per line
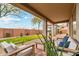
<point>13,45</point>
<point>72,43</point>
<point>4,44</point>
<point>8,47</point>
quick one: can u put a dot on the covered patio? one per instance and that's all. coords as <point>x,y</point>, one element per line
<point>52,14</point>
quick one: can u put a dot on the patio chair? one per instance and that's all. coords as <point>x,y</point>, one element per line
<point>11,49</point>
<point>72,47</point>
<point>24,50</point>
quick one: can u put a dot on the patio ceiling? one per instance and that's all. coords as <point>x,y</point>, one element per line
<point>53,12</point>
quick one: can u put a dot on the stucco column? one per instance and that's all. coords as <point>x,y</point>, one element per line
<point>77,21</point>
<point>45,28</point>
<point>71,27</point>
<point>54,29</point>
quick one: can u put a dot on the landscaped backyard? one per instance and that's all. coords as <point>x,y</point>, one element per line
<point>23,39</point>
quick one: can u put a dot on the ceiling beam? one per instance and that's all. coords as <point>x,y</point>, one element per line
<point>62,21</point>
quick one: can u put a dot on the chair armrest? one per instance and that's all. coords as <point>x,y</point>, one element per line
<point>68,50</point>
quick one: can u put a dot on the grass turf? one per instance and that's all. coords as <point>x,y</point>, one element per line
<point>21,39</point>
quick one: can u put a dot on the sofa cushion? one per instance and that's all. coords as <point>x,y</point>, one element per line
<point>8,47</point>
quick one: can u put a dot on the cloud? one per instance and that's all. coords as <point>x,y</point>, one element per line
<point>25,17</point>
<point>24,27</point>
<point>9,20</point>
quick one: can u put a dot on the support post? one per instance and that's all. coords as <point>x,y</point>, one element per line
<point>71,27</point>
<point>45,28</point>
<point>77,21</point>
<point>54,29</point>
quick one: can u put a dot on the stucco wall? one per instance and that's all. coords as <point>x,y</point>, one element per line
<point>17,32</point>
<point>1,33</point>
<point>5,31</point>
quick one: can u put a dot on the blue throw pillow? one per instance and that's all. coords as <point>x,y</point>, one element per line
<point>67,44</point>
<point>61,44</point>
<point>65,39</point>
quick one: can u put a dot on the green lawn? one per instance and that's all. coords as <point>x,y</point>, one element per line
<point>21,39</point>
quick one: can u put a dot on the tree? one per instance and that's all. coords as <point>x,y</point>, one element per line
<point>36,20</point>
<point>8,9</point>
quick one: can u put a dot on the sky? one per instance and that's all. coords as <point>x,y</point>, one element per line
<point>24,21</point>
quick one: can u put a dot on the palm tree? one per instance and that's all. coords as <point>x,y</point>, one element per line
<point>36,20</point>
